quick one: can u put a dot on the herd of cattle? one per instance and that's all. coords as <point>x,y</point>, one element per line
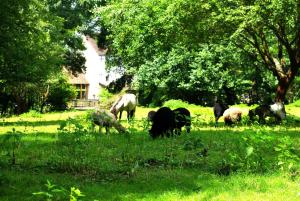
<point>167,122</point>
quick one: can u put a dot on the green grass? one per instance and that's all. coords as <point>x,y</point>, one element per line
<point>244,162</point>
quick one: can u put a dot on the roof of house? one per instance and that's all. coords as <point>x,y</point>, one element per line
<point>79,79</point>
<point>93,43</point>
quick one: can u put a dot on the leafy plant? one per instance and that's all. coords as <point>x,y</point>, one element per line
<point>176,104</point>
<point>61,92</point>
<point>31,113</point>
<point>256,146</point>
<point>56,193</point>
<point>287,156</point>
<point>12,142</point>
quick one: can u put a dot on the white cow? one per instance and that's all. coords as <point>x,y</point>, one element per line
<point>126,102</point>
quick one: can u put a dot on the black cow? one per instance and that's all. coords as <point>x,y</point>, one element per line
<point>219,108</point>
<point>182,118</point>
<point>275,110</point>
<point>163,123</point>
<point>151,115</point>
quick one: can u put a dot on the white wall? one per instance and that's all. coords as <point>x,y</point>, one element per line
<point>95,69</point>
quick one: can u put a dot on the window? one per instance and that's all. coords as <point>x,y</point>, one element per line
<point>102,58</point>
<point>82,91</point>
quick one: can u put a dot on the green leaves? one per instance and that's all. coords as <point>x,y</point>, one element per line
<point>249,151</point>
<point>55,192</point>
<point>181,45</point>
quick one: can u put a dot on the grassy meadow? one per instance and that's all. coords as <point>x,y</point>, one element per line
<point>59,156</point>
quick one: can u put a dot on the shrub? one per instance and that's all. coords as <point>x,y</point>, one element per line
<point>176,104</point>
<point>106,98</point>
<point>60,93</point>
<point>31,113</point>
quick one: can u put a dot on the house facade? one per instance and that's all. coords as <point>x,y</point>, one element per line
<point>90,83</point>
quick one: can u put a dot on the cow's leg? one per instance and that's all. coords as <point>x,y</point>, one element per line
<point>130,115</point>
<point>107,130</point>
<point>216,123</point>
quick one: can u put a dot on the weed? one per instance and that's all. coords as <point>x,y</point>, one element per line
<point>12,141</point>
<point>56,193</point>
<point>287,153</point>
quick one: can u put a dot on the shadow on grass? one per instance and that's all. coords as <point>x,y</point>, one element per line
<point>153,184</point>
<point>145,184</point>
<point>106,168</point>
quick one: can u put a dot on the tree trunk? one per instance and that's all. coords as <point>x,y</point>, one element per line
<point>282,88</point>
<point>21,105</point>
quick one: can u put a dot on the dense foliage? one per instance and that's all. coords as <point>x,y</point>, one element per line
<point>37,39</point>
<point>195,50</point>
<point>61,92</point>
<point>205,47</point>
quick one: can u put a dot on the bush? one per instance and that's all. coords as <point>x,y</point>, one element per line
<point>61,92</point>
<point>31,113</point>
<point>106,98</point>
<point>176,104</point>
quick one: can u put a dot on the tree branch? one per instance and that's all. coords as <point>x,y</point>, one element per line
<point>270,62</point>
<point>283,40</point>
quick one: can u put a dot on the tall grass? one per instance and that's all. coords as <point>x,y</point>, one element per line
<point>244,162</point>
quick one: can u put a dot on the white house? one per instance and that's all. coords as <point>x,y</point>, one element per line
<point>89,83</point>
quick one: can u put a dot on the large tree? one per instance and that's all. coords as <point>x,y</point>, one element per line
<point>76,16</point>
<point>160,36</point>
<point>183,46</point>
<point>269,31</point>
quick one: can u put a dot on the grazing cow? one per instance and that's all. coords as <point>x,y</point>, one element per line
<point>232,115</point>
<point>262,111</point>
<point>219,109</point>
<point>276,110</point>
<point>104,118</point>
<point>151,115</point>
<point>182,118</point>
<point>126,102</point>
<point>163,123</point>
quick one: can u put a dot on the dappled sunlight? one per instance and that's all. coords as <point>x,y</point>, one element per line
<point>170,185</point>
<point>210,163</point>
<point>45,123</point>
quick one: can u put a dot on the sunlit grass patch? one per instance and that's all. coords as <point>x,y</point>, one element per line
<point>246,161</point>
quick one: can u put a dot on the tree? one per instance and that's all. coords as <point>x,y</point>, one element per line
<point>269,31</point>
<point>38,38</point>
<point>30,49</point>
<point>172,43</point>
<point>78,19</point>
<point>60,92</point>
<point>266,34</point>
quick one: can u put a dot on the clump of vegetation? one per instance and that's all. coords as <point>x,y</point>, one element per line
<point>61,93</point>
<point>31,114</point>
<point>54,192</point>
<point>11,143</point>
<point>173,104</point>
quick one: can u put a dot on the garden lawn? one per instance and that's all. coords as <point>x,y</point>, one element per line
<point>244,162</point>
